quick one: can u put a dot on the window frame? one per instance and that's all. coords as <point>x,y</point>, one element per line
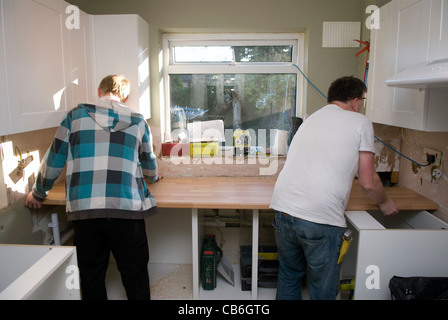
<point>296,40</point>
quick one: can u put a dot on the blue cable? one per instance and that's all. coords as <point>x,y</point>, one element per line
<point>309,81</point>
<point>421,165</point>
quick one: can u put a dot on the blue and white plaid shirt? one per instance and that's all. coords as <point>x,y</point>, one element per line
<point>109,154</point>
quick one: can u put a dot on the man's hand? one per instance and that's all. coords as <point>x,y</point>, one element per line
<point>389,207</point>
<point>370,182</point>
<point>31,202</point>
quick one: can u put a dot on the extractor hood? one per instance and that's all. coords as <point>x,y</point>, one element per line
<point>422,76</point>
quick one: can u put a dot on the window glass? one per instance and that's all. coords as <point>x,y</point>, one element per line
<point>249,81</point>
<point>263,54</point>
<point>204,54</point>
<point>241,101</point>
<point>194,54</point>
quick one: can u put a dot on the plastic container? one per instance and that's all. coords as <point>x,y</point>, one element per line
<point>267,267</point>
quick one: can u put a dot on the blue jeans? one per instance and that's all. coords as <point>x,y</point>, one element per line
<point>302,246</point>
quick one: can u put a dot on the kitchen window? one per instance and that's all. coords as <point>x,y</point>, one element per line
<point>249,81</point>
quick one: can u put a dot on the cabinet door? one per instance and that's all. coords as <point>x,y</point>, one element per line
<point>412,48</point>
<point>382,56</point>
<point>34,34</point>
<point>121,46</point>
<point>80,87</point>
<point>5,119</point>
<point>438,39</point>
<point>400,43</point>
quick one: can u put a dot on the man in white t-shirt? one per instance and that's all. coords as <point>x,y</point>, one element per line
<point>330,148</point>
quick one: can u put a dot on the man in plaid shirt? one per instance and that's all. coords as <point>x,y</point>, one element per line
<point>108,151</point>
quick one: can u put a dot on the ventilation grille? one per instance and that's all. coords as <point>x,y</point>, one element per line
<point>340,34</point>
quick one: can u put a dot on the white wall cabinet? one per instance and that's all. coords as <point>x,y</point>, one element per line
<point>5,124</point>
<point>411,32</point>
<point>121,46</point>
<point>48,68</point>
<point>80,85</point>
<point>35,50</point>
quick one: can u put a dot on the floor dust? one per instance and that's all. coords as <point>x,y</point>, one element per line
<point>172,281</point>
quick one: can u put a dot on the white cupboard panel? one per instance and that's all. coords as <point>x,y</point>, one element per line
<point>5,119</point>
<point>48,67</point>
<point>412,32</point>
<point>412,243</point>
<point>438,40</point>
<point>79,75</point>
<point>121,46</point>
<point>404,253</point>
<point>34,38</point>
<point>39,273</point>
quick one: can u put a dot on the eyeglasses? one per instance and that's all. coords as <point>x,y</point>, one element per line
<point>364,101</point>
<point>361,98</point>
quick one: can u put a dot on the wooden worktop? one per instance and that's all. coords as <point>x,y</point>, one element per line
<point>246,193</point>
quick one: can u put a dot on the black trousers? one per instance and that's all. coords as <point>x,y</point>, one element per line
<point>126,239</point>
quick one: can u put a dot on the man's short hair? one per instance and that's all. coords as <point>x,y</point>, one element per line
<point>346,88</point>
<point>118,85</point>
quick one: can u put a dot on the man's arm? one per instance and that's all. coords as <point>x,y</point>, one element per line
<point>148,159</point>
<point>370,182</point>
<point>51,166</point>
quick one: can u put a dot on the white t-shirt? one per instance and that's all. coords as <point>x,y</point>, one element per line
<point>322,162</point>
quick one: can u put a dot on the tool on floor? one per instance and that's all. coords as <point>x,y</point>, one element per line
<point>348,285</point>
<point>213,262</point>
<point>210,257</point>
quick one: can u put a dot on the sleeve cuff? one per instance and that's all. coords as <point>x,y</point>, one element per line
<point>36,197</point>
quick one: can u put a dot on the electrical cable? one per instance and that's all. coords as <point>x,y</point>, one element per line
<point>310,82</point>
<point>421,165</point>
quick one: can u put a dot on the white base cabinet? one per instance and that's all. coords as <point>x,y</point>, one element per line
<point>38,273</point>
<point>412,243</point>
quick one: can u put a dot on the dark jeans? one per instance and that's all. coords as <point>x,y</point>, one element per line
<point>126,239</point>
<point>306,246</point>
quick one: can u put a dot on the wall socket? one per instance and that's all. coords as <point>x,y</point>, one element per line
<point>437,154</point>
